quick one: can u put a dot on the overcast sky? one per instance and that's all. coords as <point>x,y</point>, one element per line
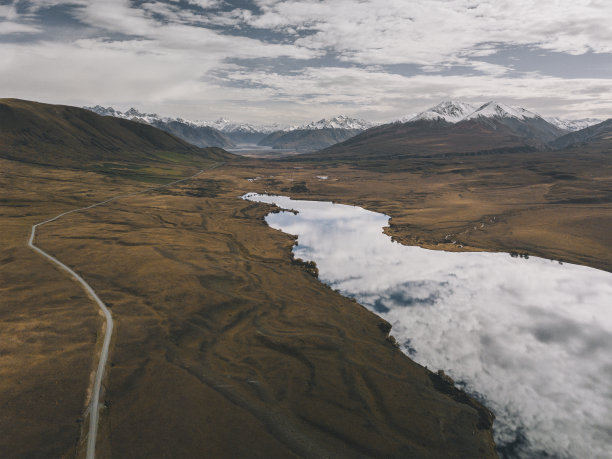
<point>301,60</point>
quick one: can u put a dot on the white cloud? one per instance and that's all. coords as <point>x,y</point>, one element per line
<point>9,27</point>
<point>205,4</point>
<point>36,5</point>
<point>116,16</point>
<point>433,32</point>
<point>8,12</point>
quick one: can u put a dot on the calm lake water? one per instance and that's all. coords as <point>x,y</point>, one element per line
<point>532,338</point>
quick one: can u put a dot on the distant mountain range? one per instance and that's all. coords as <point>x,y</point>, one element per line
<point>226,134</point>
<point>71,136</point>
<point>194,133</point>
<point>512,125</point>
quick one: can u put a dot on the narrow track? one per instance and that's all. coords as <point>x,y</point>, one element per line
<point>94,406</point>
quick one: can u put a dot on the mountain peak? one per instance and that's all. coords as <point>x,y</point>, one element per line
<point>451,111</point>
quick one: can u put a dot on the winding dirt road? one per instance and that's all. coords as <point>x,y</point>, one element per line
<point>94,406</point>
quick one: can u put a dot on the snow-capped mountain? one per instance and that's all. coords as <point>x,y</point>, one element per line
<point>450,111</point>
<point>598,135</point>
<point>131,114</point>
<point>236,133</point>
<point>337,122</point>
<point>197,134</point>
<point>524,123</point>
<point>573,125</point>
<point>529,125</point>
<point>136,115</point>
<point>221,124</point>
<point>499,110</point>
<point>454,111</point>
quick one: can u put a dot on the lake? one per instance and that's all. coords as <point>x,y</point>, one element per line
<point>531,338</point>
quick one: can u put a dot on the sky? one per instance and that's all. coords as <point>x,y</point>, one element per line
<point>301,60</point>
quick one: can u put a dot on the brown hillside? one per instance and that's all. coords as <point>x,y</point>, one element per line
<point>69,136</point>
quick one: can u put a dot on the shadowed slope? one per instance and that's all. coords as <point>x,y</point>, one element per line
<point>426,138</point>
<point>307,139</point>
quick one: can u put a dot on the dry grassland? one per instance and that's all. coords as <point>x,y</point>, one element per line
<point>223,347</point>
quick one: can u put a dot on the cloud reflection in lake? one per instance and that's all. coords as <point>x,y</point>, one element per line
<point>531,336</point>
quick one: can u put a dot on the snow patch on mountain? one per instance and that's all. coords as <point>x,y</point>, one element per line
<point>450,111</point>
<point>337,122</point>
<point>405,119</point>
<point>225,125</point>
